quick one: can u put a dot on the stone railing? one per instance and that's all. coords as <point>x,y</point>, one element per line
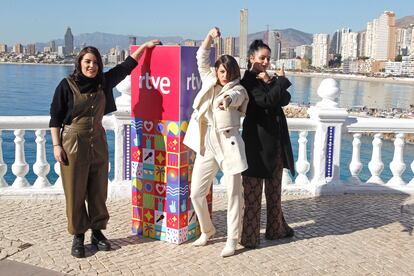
<point>317,164</point>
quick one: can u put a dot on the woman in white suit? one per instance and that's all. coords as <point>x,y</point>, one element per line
<point>213,133</point>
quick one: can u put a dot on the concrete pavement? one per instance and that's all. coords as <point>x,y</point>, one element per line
<point>334,235</point>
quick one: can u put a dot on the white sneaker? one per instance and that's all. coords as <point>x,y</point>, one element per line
<point>202,240</point>
<point>230,248</point>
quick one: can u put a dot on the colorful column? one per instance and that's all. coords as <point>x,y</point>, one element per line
<point>163,87</point>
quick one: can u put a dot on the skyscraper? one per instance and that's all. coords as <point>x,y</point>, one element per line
<point>52,45</point>
<point>320,50</point>
<point>218,44</point>
<point>68,42</point>
<point>31,49</point>
<point>229,46</point>
<point>3,48</point>
<point>381,41</point>
<point>275,45</point>
<point>243,38</point>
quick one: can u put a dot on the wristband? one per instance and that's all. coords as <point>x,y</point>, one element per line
<point>57,145</point>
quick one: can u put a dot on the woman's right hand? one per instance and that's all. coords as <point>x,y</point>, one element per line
<point>214,33</point>
<point>60,154</point>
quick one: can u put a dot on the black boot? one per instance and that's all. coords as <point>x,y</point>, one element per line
<point>98,239</point>
<point>78,249</point>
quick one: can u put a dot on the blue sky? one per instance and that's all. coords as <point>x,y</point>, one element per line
<point>28,21</point>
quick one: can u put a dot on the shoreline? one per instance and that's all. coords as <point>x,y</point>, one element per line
<point>397,80</point>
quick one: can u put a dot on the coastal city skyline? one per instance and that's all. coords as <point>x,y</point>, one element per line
<point>27,25</point>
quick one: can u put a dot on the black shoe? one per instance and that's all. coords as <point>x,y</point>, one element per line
<point>98,239</point>
<point>78,249</point>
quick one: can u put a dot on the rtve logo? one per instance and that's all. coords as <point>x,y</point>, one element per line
<point>151,82</point>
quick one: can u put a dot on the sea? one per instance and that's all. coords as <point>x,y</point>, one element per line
<point>27,89</point>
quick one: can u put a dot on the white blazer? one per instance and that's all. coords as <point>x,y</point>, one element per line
<point>225,122</point>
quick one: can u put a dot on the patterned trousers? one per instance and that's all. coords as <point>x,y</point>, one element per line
<point>276,226</point>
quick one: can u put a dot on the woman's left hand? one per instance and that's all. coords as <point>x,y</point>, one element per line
<point>151,43</point>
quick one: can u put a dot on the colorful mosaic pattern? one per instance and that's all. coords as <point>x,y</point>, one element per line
<point>160,172</point>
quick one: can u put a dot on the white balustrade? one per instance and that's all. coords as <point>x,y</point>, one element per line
<point>3,166</point>
<point>327,122</point>
<point>41,167</point>
<point>397,164</point>
<point>355,166</point>
<point>20,168</point>
<point>411,183</point>
<point>58,184</point>
<point>376,165</point>
<point>302,164</point>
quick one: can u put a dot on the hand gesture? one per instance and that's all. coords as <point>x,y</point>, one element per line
<point>60,155</point>
<point>214,33</point>
<point>264,76</point>
<point>281,71</point>
<point>225,103</point>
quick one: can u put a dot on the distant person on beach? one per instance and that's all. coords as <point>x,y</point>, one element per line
<point>79,141</point>
<point>213,133</point>
<point>268,149</point>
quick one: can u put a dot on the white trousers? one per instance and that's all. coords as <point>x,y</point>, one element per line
<point>205,169</point>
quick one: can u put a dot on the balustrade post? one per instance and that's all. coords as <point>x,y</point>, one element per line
<point>376,165</point>
<point>327,143</point>
<point>411,183</point>
<point>397,164</point>
<point>58,184</point>
<point>355,166</point>
<point>3,166</point>
<point>20,168</point>
<point>41,167</point>
<point>302,165</point>
<point>121,186</point>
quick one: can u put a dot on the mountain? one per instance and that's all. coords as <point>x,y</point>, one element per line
<point>405,21</point>
<point>105,41</point>
<point>289,37</point>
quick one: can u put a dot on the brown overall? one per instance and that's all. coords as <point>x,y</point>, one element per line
<point>85,176</point>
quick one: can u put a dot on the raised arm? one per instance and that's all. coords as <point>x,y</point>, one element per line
<point>149,44</point>
<point>203,53</point>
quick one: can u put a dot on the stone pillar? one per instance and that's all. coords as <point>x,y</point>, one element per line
<point>327,143</point>
<point>121,185</point>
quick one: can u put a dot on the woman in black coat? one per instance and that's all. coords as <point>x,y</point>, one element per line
<point>268,148</point>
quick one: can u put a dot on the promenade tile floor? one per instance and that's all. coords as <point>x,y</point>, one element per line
<point>334,235</point>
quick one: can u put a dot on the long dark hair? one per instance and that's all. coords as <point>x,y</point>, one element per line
<point>231,66</point>
<point>255,46</point>
<point>78,68</point>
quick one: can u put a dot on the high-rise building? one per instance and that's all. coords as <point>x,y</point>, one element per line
<point>18,48</point>
<point>3,48</point>
<point>230,46</point>
<point>304,51</point>
<point>52,45</point>
<point>218,45</point>
<point>68,42</point>
<point>243,38</point>
<point>31,49</point>
<point>275,45</point>
<point>132,40</point>
<point>381,41</point>
<point>349,44</point>
<point>320,50</point>
<point>403,40</point>
<point>368,39</point>
<point>361,44</point>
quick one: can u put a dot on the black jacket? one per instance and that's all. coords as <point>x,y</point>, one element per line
<point>62,104</point>
<point>265,123</point>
